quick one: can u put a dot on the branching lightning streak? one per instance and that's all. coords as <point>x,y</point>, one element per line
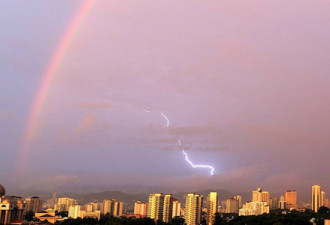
<point>198,166</point>
<point>167,120</point>
<point>183,151</point>
<point>192,164</point>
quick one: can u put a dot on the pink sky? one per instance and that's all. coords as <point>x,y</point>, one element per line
<point>244,83</point>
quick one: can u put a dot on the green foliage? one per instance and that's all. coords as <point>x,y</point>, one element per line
<point>219,220</point>
<point>275,218</point>
<point>29,216</point>
<point>110,220</point>
<point>177,221</point>
<point>62,214</point>
<point>324,210</point>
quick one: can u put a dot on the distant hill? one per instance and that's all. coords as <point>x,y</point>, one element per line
<point>120,196</point>
<point>131,198</point>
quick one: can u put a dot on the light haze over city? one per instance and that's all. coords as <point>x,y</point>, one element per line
<point>244,85</point>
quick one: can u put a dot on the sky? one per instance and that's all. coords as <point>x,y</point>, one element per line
<point>245,85</point>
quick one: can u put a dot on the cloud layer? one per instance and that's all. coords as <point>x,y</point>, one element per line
<point>245,85</point>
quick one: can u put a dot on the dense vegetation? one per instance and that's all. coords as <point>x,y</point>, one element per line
<point>109,220</point>
<point>276,218</point>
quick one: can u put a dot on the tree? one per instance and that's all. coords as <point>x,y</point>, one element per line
<point>323,210</point>
<point>29,216</point>
<point>177,221</point>
<point>219,220</point>
<point>62,213</point>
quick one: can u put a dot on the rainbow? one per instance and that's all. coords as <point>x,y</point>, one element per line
<point>48,77</point>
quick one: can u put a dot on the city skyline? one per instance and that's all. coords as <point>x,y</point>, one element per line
<point>243,84</point>
<point>196,209</point>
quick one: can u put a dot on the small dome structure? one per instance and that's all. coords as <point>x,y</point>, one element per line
<point>2,191</point>
<point>6,201</point>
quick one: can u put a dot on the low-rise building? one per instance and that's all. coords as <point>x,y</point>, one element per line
<point>46,215</point>
<point>254,208</point>
<point>95,215</point>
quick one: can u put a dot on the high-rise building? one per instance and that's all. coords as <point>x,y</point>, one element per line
<point>50,203</point>
<point>323,198</point>
<point>212,207</point>
<point>282,202</point>
<point>168,208</point>
<point>223,206</point>
<point>316,197</point>
<point>33,204</point>
<point>176,211</point>
<point>326,203</point>
<point>291,199</point>
<point>89,207</point>
<point>260,196</point>
<point>232,205</point>
<point>156,206</point>
<point>74,212</point>
<point>63,204</point>
<point>117,208</point>
<point>260,204</point>
<point>274,203</point>
<point>96,206</point>
<point>239,199</point>
<point>120,209</point>
<point>141,208</point>
<point>112,207</point>
<point>257,195</point>
<point>107,207</point>
<point>193,210</point>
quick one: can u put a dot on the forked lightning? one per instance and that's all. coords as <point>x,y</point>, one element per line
<point>183,151</point>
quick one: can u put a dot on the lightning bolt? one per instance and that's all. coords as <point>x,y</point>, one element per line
<point>198,166</point>
<point>167,120</point>
<point>183,151</point>
<point>192,164</point>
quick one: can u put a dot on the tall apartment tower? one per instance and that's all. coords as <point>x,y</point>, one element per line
<point>112,207</point>
<point>117,208</point>
<point>193,211</point>
<point>282,202</point>
<point>141,208</point>
<point>232,205</point>
<point>168,208</point>
<point>156,206</point>
<point>212,206</point>
<point>107,207</point>
<point>323,197</point>
<point>33,204</point>
<point>63,204</point>
<point>291,199</point>
<point>239,199</point>
<point>74,212</point>
<point>256,195</point>
<point>260,196</point>
<point>176,211</point>
<point>316,197</point>
<point>274,203</point>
